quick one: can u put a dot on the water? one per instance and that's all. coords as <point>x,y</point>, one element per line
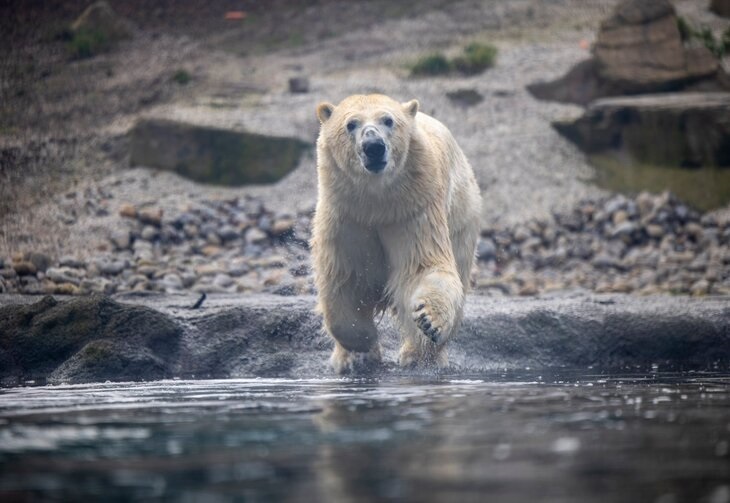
<point>706,188</point>
<point>507,438</point>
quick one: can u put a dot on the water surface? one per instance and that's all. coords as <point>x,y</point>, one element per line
<point>652,438</point>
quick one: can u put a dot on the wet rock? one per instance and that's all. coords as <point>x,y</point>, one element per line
<point>213,155</point>
<point>684,130</point>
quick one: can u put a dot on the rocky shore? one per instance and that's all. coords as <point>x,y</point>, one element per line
<point>648,244</point>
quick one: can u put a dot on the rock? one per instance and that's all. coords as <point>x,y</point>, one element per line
<point>150,216</point>
<point>701,287</point>
<point>268,262</point>
<point>228,233</point>
<point>685,130</point>
<point>121,239</point>
<point>211,250</point>
<point>486,249</point>
<point>65,289</point>
<point>298,85</point>
<point>209,270</point>
<point>111,267</point>
<point>87,339</point>
<point>222,280</point>
<point>74,263</point>
<point>282,227</point>
<point>41,261</point>
<point>655,231</point>
<point>720,7</point>
<point>100,20</point>
<point>638,49</point>
<point>172,282</point>
<point>149,233</point>
<point>213,155</point>
<point>255,235</point>
<point>128,211</point>
<point>25,268</point>
<point>619,217</point>
<point>8,273</point>
<point>65,275</point>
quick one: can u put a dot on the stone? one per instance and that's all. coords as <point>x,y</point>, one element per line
<point>128,211</point>
<point>655,231</point>
<point>213,155</point>
<point>254,235</point>
<point>298,85</point>
<point>268,262</point>
<point>209,270</point>
<point>121,239</point>
<point>620,217</point>
<point>149,233</point>
<point>282,227</point>
<point>65,275</point>
<point>111,267</point>
<point>228,233</point>
<point>172,282</point>
<point>638,50</point>
<point>673,129</point>
<point>222,280</point>
<point>25,268</point>
<point>150,216</point>
<point>701,287</point>
<point>65,289</point>
<point>41,261</point>
<point>211,250</point>
<point>8,273</point>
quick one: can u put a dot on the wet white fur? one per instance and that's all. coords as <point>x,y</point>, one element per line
<point>401,238</point>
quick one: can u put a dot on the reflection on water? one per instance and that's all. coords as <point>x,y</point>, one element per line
<point>498,438</point>
<point>705,188</point>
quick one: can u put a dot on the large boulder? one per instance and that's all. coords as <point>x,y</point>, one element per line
<point>86,339</point>
<point>639,49</point>
<point>674,129</point>
<point>212,154</point>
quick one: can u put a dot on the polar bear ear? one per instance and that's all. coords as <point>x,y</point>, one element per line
<point>324,111</point>
<point>411,107</point>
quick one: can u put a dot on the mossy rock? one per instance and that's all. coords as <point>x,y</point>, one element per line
<point>214,155</point>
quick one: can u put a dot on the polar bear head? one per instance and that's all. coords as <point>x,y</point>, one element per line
<point>367,135</point>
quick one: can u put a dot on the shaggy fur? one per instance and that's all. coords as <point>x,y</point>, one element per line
<point>402,238</point>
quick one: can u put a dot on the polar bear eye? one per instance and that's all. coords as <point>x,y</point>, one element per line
<point>388,122</point>
<point>351,126</point>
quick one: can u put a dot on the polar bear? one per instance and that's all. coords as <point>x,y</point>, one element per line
<point>396,225</point>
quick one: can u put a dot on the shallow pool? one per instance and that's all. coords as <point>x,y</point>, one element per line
<point>652,438</point>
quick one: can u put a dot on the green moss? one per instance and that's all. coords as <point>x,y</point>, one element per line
<point>431,64</point>
<point>476,58</point>
<point>181,77</point>
<point>704,35</point>
<point>87,44</point>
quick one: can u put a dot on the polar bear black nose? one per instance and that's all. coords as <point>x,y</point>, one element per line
<point>374,149</point>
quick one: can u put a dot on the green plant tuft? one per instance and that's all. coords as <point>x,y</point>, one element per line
<point>476,58</point>
<point>87,43</point>
<point>181,77</point>
<point>432,64</point>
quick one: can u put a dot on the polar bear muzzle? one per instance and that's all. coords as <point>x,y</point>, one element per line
<point>374,150</point>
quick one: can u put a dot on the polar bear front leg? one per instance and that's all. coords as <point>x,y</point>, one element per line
<point>350,323</point>
<point>437,305</point>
